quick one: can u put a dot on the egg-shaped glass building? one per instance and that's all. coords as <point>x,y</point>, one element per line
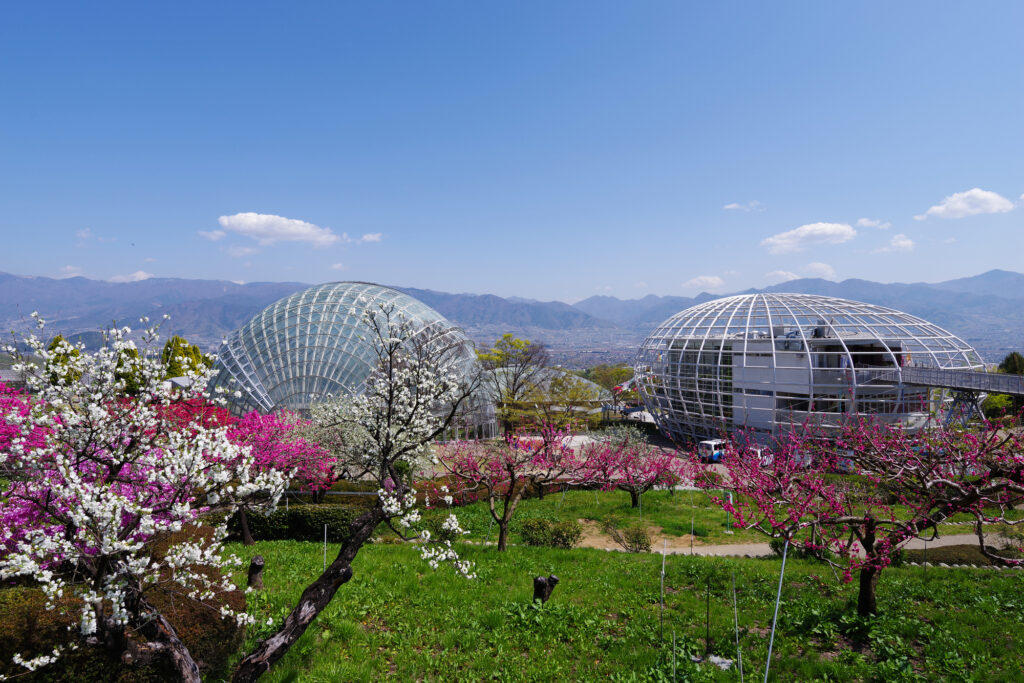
<point>764,363</point>
<point>315,344</point>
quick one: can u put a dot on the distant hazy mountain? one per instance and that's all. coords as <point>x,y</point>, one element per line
<point>470,310</point>
<point>985,310</point>
<point>1001,283</point>
<point>203,310</point>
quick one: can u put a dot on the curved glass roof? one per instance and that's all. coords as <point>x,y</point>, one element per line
<point>807,316</point>
<point>311,345</point>
<point>768,361</point>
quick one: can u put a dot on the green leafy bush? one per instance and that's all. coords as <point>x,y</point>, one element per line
<point>633,539</point>
<point>544,532</point>
<point>438,532</point>
<point>299,523</point>
<point>798,549</point>
<point>535,531</point>
<point>566,534</point>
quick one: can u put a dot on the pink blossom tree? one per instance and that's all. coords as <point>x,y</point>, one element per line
<point>626,461</point>
<point>276,443</point>
<point>503,471</point>
<point>906,486</point>
<point>97,476</point>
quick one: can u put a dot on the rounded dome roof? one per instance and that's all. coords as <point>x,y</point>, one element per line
<point>803,316</point>
<point>311,344</point>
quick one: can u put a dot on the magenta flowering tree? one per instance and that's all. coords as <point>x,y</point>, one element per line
<point>626,461</point>
<point>15,411</point>
<point>503,471</point>
<point>275,442</point>
<point>905,487</point>
<point>97,475</point>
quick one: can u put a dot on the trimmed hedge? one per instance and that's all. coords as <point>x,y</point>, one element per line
<point>956,554</point>
<point>299,523</point>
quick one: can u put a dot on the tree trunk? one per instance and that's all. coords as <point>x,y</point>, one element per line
<point>243,521</point>
<point>502,535</point>
<point>313,600</point>
<point>161,636</point>
<point>866,605</point>
<point>634,498</point>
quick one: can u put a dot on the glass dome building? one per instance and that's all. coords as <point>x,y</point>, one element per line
<point>764,363</point>
<point>314,344</point>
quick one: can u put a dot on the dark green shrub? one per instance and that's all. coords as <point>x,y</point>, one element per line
<point>438,532</point>
<point>956,554</point>
<point>300,523</point>
<point>633,539</point>
<point>535,531</point>
<point>798,549</point>
<point>566,534</point>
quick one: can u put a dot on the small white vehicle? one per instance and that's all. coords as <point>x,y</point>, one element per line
<point>763,455</point>
<point>711,450</point>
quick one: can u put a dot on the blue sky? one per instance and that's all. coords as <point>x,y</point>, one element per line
<point>546,150</point>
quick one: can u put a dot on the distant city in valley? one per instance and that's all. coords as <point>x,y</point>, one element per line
<point>985,310</point>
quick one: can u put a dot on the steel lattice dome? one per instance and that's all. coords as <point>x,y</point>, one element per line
<point>313,344</point>
<point>760,362</point>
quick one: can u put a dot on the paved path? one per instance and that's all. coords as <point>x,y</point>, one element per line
<point>757,549</point>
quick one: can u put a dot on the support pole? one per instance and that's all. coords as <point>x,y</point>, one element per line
<point>661,626</point>
<point>736,625</point>
<point>775,618</point>
<point>707,620</point>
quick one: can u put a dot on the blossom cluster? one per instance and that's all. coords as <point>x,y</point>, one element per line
<point>105,457</point>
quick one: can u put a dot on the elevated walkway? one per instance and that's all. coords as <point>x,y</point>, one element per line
<point>965,380</point>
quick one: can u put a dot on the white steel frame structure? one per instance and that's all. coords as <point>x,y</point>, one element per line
<point>764,363</point>
<point>312,345</point>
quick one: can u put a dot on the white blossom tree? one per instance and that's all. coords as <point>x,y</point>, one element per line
<point>422,381</point>
<point>103,467</point>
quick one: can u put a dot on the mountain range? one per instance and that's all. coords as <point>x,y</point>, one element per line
<point>986,310</point>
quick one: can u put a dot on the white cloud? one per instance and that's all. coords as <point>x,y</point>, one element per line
<point>873,223</point>
<point>267,229</point>
<point>70,271</point>
<point>969,203</point>
<point>781,276</point>
<point>898,242</point>
<point>149,259</point>
<point>339,266</point>
<point>239,282</point>
<point>87,234</point>
<point>752,205</point>
<point>369,237</point>
<point>949,240</point>
<point>213,235</point>
<point>240,252</point>
<point>708,282</point>
<point>800,238</point>
<point>822,270</point>
<point>137,276</point>
<point>640,284</point>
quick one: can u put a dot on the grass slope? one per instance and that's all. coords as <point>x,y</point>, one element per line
<point>398,618</point>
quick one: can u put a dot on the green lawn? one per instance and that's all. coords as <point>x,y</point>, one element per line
<point>398,618</point>
<point>672,512</point>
